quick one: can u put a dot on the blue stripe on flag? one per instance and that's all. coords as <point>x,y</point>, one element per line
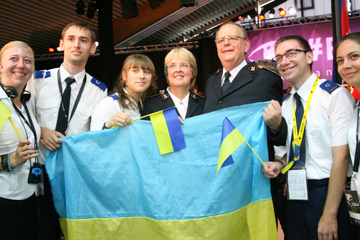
<point>174,127</point>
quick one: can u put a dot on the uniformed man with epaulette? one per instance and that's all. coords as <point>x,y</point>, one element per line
<point>239,82</point>
<point>180,71</point>
<point>318,113</point>
<point>64,99</point>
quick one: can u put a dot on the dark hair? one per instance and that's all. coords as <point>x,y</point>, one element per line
<point>302,41</point>
<point>268,64</point>
<point>140,61</point>
<point>352,36</point>
<point>80,25</point>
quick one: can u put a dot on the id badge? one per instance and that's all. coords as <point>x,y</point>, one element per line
<point>297,184</point>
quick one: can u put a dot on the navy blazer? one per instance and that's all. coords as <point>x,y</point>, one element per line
<point>162,101</point>
<point>252,84</point>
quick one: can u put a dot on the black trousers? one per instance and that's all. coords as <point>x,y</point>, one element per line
<point>19,219</point>
<point>49,219</point>
<point>303,216</point>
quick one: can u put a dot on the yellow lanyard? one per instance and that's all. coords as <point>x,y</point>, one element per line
<point>298,135</point>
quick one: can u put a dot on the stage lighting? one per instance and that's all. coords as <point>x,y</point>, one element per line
<point>80,7</point>
<point>51,48</point>
<point>262,15</point>
<point>292,11</point>
<point>240,18</point>
<point>282,12</point>
<point>92,9</point>
<point>272,13</point>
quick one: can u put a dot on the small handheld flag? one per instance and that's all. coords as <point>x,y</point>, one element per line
<point>4,114</point>
<point>167,129</point>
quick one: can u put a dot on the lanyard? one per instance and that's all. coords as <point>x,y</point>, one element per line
<point>77,97</point>
<point>357,151</point>
<point>298,134</point>
<point>29,123</point>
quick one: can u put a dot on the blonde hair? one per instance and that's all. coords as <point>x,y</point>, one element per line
<point>184,55</point>
<point>13,44</point>
<point>138,61</point>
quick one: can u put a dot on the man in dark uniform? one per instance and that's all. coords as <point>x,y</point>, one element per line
<point>239,82</point>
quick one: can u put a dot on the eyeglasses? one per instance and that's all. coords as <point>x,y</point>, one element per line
<point>231,39</point>
<point>290,54</point>
<point>173,66</point>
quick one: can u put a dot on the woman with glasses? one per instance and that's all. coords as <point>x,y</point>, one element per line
<point>180,71</point>
<point>19,138</point>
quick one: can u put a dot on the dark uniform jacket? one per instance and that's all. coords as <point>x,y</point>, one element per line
<point>162,101</point>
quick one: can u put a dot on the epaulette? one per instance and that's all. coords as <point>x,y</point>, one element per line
<point>329,86</point>
<point>196,96</point>
<point>114,96</point>
<point>287,95</point>
<point>98,83</point>
<point>40,74</point>
<point>152,96</point>
<point>267,69</point>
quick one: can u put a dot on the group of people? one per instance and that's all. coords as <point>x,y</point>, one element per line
<point>63,101</point>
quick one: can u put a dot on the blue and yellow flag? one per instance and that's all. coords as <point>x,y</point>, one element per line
<point>167,129</point>
<point>231,139</point>
<point>115,184</point>
<point>4,114</point>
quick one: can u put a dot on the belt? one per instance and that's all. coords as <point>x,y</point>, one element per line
<point>322,182</point>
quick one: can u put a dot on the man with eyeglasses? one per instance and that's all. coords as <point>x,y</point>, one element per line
<point>319,112</point>
<point>240,82</point>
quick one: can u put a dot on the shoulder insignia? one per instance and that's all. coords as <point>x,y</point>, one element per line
<point>98,83</point>
<point>217,71</point>
<point>114,96</point>
<point>40,74</point>
<point>253,69</point>
<point>287,95</point>
<point>152,96</point>
<point>164,96</point>
<point>196,96</point>
<point>329,86</point>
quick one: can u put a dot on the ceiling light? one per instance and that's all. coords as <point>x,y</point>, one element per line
<point>92,9</point>
<point>292,11</point>
<point>282,12</point>
<point>272,13</point>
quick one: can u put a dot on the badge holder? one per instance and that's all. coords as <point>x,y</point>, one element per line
<point>296,182</point>
<point>352,196</point>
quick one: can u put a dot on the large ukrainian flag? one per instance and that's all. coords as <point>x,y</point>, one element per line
<point>114,184</point>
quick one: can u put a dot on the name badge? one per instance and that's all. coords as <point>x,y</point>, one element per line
<point>297,184</point>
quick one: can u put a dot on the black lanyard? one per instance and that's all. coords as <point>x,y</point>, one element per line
<point>78,96</point>
<point>29,123</point>
<point>357,151</point>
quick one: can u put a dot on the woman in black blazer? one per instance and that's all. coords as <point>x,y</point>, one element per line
<point>180,71</point>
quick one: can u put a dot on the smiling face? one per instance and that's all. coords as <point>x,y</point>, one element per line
<point>137,80</point>
<point>16,66</point>
<point>296,70</point>
<point>231,53</point>
<point>77,46</point>
<point>348,61</point>
<point>179,74</point>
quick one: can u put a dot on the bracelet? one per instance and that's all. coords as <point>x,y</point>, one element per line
<point>282,164</point>
<point>104,126</point>
<point>8,163</point>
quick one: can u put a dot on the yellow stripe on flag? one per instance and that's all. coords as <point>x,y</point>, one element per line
<point>228,146</point>
<point>161,133</point>
<point>4,114</point>
<point>242,224</point>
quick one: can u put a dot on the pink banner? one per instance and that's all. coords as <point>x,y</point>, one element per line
<point>318,34</point>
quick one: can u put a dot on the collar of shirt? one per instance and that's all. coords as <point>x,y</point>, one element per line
<point>78,77</point>
<point>131,99</point>
<point>233,72</point>
<point>304,90</point>
<point>181,105</point>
